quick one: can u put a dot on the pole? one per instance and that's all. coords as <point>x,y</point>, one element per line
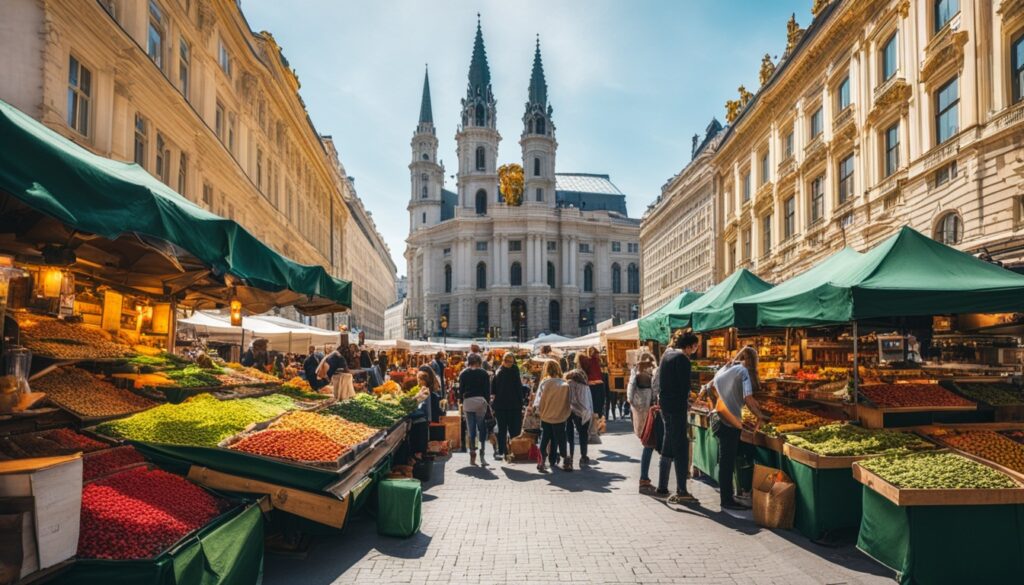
<point>856,372</point>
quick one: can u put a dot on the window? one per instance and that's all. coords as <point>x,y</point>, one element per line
<point>551,275</point>
<point>846,221</point>
<point>747,244</point>
<point>947,120</point>
<point>746,186</point>
<point>588,278</point>
<point>843,94</point>
<point>481,202</point>
<point>766,235</point>
<point>789,144</point>
<point>944,12</point>
<point>163,159</point>
<point>482,318</point>
<point>155,36</point>
<point>184,65</point>
<point>789,218</point>
<point>950,229</point>
<point>816,123</point>
<point>890,61</point>
<point>141,140</point>
<point>259,169</point>
<point>183,174</point>
<point>480,115</point>
<point>515,276</point>
<point>481,276</point>
<point>447,278</point>
<point>536,167</point>
<point>554,316</point>
<point>817,199</point>
<point>424,192</point>
<point>447,252</point>
<point>111,7</point>
<point>584,248</point>
<point>224,58</point>
<point>79,95</point>
<point>845,179</point>
<point>481,246</point>
<point>616,246</point>
<point>633,279</point>
<point>945,174</point>
<point>764,168</point>
<point>633,248</point>
<point>540,194</point>
<point>540,126</point>
<point>616,279</point>
<point>481,159</point>
<point>207,195</point>
<point>892,149</point>
<point>231,133</point>
<point>218,121</point>
<point>552,245</point>
<point>423,218</point>
<point>515,245</point>
<point>1017,67</point>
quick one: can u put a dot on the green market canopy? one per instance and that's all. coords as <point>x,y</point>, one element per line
<point>57,197</point>
<point>655,326</point>
<point>741,283</point>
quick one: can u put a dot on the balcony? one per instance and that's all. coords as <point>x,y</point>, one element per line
<point>894,91</point>
<point>814,151</point>
<point>940,154</point>
<point>843,122</point>
<point>1008,117</point>
<point>787,167</point>
<point>889,185</point>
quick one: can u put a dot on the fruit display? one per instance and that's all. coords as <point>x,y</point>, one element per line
<point>200,421</point>
<point>80,392</point>
<point>912,395</point>
<point>842,439</point>
<point>827,374</point>
<point>138,513</point>
<point>300,384</point>
<point>939,470</point>
<point>301,393</point>
<point>252,373</point>
<point>193,376</point>
<point>366,409</point>
<point>988,445</point>
<point>140,381</point>
<point>47,444</point>
<point>1017,436</point>
<point>407,401</point>
<point>787,418</point>
<point>996,394</point>
<point>58,339</point>
<point>345,433</point>
<point>102,463</point>
<point>389,387</point>
<point>305,445</point>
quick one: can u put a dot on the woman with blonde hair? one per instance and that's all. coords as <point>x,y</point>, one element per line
<point>552,405</point>
<point>640,395</point>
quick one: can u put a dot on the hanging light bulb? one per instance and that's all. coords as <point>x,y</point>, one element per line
<point>236,312</point>
<point>52,279</point>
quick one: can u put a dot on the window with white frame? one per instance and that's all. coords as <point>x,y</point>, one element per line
<point>950,229</point>
<point>208,195</point>
<point>892,149</point>
<point>788,144</point>
<point>766,234</point>
<point>481,246</point>
<point>1017,67</point>
<point>141,140</point>
<point>843,94</point>
<point>183,174</point>
<point>184,66</point>
<point>552,245</point>
<point>155,34</point>
<point>764,168</point>
<point>616,246</point>
<point>789,217</point>
<point>219,121</point>
<point>846,179</point>
<point>947,110</point>
<point>816,123</point>
<point>890,57</point>
<point>224,58</point>
<point>584,248</point>
<point>817,199</point>
<point>163,159</point>
<point>633,248</point>
<point>945,10</point>
<point>79,96</point>
<point>515,245</point>
<point>746,186</point>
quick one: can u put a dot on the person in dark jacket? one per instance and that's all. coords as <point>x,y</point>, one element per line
<point>364,359</point>
<point>674,396</point>
<point>438,365</point>
<point>475,393</point>
<point>507,402</point>
<point>309,368</point>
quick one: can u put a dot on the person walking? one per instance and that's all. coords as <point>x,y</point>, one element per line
<point>438,365</point>
<point>734,385</point>
<point>552,405</point>
<point>507,402</point>
<point>590,362</point>
<point>582,411</point>
<point>475,392</point>
<point>640,395</point>
<point>674,395</point>
<point>419,432</point>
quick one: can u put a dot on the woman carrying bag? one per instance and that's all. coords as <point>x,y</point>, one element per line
<point>640,395</point>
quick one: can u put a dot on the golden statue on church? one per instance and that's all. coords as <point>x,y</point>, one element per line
<point>767,69</point>
<point>793,33</point>
<point>745,96</point>
<point>732,110</point>
<point>817,7</point>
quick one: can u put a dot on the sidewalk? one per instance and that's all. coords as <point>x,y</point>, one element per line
<point>511,524</point>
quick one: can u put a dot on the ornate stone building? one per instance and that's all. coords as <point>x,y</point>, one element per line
<point>185,89</point>
<point>563,260</point>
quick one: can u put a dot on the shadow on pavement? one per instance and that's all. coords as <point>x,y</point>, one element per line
<point>580,480</point>
<point>477,472</point>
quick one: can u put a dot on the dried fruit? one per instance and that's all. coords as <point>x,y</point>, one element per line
<point>936,471</point>
<point>987,445</point>
<point>103,463</point>
<point>339,430</point>
<point>911,395</point>
<point>304,445</point>
<point>841,439</point>
<point>787,418</point>
<point>82,393</point>
<point>57,338</point>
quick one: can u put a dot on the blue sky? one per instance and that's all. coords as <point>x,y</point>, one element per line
<point>631,81</point>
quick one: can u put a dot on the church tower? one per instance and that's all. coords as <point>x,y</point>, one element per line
<point>477,137</point>
<point>425,173</point>
<point>538,140</point>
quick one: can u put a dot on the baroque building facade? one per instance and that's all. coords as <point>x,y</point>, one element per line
<point>565,258</point>
<point>185,89</point>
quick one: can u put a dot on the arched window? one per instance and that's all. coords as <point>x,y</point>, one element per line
<point>588,278</point>
<point>515,276</point>
<point>519,318</point>
<point>540,126</point>
<point>633,279</point>
<point>447,278</point>
<point>950,230</point>
<point>616,279</point>
<point>482,318</point>
<point>551,274</point>
<point>481,159</point>
<point>481,276</point>
<point>481,117</point>
<point>554,317</point>
<point>481,202</point>
<point>423,192</point>
<point>536,166</point>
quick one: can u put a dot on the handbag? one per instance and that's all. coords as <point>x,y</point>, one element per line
<point>649,437</point>
<point>489,419</point>
<point>531,422</point>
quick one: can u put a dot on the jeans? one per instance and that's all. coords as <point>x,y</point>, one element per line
<point>476,426</point>
<point>597,396</point>
<point>553,436</point>
<point>645,463</point>
<point>675,451</point>
<point>510,424</point>
<point>582,429</point>
<point>728,445</point>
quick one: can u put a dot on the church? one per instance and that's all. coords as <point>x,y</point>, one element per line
<point>565,259</point>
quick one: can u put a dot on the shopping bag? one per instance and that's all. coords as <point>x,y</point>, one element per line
<point>649,437</point>
<point>774,498</point>
<point>535,454</point>
<point>596,425</point>
<point>531,422</point>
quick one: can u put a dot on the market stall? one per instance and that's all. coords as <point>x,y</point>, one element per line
<point>621,343</point>
<point>284,335</point>
<point>655,326</point>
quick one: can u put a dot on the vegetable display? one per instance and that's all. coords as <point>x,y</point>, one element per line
<point>55,338</point>
<point>201,421</point>
<point>102,463</point>
<point>302,394</point>
<point>195,377</point>
<point>994,394</point>
<point>786,418</point>
<point>139,513</point>
<point>46,444</point>
<point>989,445</point>
<point>911,395</point>
<point>366,409</point>
<point>87,396</point>
<point>345,433</point>
<point>840,440</point>
<point>304,445</point>
<point>941,470</point>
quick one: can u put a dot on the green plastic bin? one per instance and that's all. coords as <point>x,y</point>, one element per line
<point>399,505</point>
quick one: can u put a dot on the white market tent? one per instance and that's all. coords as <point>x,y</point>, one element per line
<point>282,334</point>
<point>546,339</point>
<point>590,340</point>
<point>626,331</point>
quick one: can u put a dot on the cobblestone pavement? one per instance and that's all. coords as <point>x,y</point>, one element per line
<point>510,524</point>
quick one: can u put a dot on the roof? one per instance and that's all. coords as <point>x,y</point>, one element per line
<point>586,183</point>
<point>589,192</point>
<point>479,71</point>
<point>448,202</point>
<point>538,86</point>
<point>426,114</point>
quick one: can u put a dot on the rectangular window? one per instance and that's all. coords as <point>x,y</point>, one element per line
<point>584,248</point>
<point>746,186</point>
<point>481,246</point>
<point>231,133</point>
<point>155,36</point>
<point>764,168</point>
<point>634,248</point>
<point>947,107</point>
<point>846,221</point>
<point>552,245</point>
<point>183,174</point>
<point>890,60</point>
<point>616,246</point>
<point>816,123</point>
<point>207,195</point>
<point>224,58</point>
<point>817,199</point>
<point>892,149</point>
<point>259,169</point>
<point>1017,67</point>
<point>141,140</point>
<point>79,95</point>
<point>447,252</point>
<point>515,245</point>
<point>218,121</point>
<point>163,159</point>
<point>945,10</point>
<point>843,94</point>
<point>746,244</point>
<point>946,174</point>
<point>766,235</point>
<point>789,224</point>
<point>184,65</point>
<point>846,179</point>
<point>540,194</point>
<point>789,144</point>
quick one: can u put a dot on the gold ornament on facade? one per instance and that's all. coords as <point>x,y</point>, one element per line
<point>745,96</point>
<point>793,33</point>
<point>818,6</point>
<point>510,179</point>
<point>767,69</point>
<point>732,110</point>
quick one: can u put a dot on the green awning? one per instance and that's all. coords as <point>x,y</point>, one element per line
<point>741,283</point>
<point>655,325</point>
<point>89,193</point>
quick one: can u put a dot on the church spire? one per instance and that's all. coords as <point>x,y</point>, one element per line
<point>479,71</point>
<point>538,86</point>
<point>426,114</point>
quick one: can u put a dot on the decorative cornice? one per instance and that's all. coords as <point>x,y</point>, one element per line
<point>945,50</point>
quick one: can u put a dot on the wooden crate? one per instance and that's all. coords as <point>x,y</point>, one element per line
<point>940,497</point>
<point>873,417</point>
<point>812,459</point>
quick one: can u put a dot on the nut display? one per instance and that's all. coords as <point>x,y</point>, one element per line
<point>339,430</point>
<point>942,470</point>
<point>87,396</point>
<point>988,445</point>
<point>838,440</point>
<point>787,418</point>
<point>304,445</point>
<point>47,444</point>
<point>912,395</point>
<point>56,338</point>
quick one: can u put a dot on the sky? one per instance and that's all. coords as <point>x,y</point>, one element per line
<point>631,81</point>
